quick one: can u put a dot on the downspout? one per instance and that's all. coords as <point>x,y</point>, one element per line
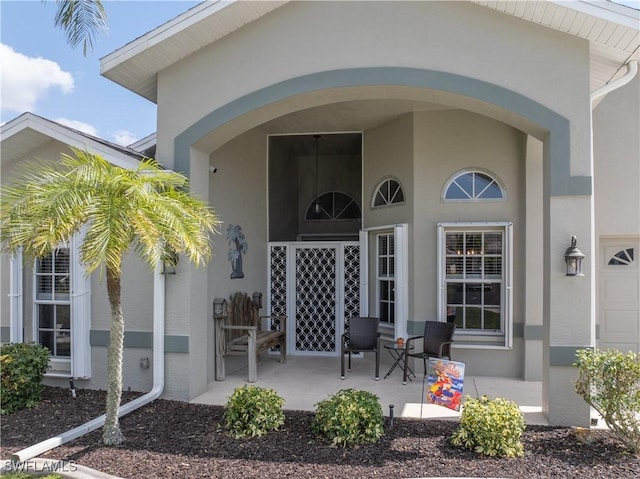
<point>632,69</point>
<point>156,391</point>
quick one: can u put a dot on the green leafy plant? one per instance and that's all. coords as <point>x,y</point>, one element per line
<point>492,427</point>
<point>349,417</point>
<point>609,381</point>
<point>22,366</point>
<point>253,411</point>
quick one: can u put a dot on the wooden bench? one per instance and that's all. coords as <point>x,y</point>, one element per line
<point>244,332</point>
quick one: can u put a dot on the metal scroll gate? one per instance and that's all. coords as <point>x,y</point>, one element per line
<point>316,285</point>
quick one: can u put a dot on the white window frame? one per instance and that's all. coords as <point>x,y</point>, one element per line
<point>480,339</point>
<point>473,196</point>
<point>79,366</point>
<point>390,260</point>
<point>401,277</point>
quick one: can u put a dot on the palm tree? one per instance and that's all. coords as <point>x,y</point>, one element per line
<point>81,21</point>
<point>146,209</point>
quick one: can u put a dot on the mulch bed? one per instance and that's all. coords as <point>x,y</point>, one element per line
<point>170,439</point>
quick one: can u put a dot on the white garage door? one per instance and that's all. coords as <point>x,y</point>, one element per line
<point>619,296</point>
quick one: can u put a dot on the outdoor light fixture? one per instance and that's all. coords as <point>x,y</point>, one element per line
<point>573,257</point>
<point>316,207</point>
<point>257,299</point>
<point>219,307</point>
<point>169,265</point>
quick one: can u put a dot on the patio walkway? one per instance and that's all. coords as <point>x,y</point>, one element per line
<point>303,381</point>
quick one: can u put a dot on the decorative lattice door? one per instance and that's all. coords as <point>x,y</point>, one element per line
<point>316,285</point>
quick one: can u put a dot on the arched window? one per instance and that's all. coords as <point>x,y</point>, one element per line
<point>622,258</point>
<point>473,185</point>
<point>388,192</point>
<point>333,205</point>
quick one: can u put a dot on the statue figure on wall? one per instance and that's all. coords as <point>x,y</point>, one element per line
<point>239,246</point>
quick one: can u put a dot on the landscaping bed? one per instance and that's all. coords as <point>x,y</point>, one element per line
<point>168,439</point>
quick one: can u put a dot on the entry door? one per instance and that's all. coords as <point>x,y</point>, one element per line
<point>316,285</point>
<point>619,295</point>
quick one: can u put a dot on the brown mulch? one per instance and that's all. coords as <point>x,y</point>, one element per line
<point>172,439</point>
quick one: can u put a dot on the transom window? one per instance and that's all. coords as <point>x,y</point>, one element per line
<point>389,192</point>
<point>385,259</point>
<point>53,302</point>
<point>474,185</point>
<point>333,205</point>
<point>622,258</point>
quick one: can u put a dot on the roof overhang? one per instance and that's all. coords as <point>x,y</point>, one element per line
<point>612,30</point>
<point>28,132</point>
<point>135,66</point>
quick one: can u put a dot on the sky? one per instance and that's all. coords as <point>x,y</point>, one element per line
<point>41,74</point>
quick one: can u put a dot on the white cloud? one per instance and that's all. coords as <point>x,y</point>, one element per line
<point>124,137</point>
<point>25,80</point>
<point>78,125</point>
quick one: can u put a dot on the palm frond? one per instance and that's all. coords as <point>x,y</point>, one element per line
<point>81,21</point>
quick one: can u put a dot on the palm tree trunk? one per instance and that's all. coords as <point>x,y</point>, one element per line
<point>111,434</point>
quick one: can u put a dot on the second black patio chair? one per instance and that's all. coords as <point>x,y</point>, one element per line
<point>437,339</point>
<point>362,336</point>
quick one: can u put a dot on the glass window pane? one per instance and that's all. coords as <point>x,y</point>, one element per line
<point>493,267</point>
<point>465,182</point>
<point>473,318</point>
<point>454,192</point>
<point>493,191</point>
<point>392,313</point>
<point>474,293</point>
<point>455,243</point>
<point>473,267</point>
<point>44,287</point>
<point>62,260</point>
<point>63,316</point>
<point>454,293</point>
<point>46,339</point>
<point>492,294</point>
<point>454,267</point>
<point>45,316</point>
<point>63,344</point>
<point>473,244</point>
<point>492,319</point>
<point>62,287</point>
<point>44,265</point>
<point>492,243</point>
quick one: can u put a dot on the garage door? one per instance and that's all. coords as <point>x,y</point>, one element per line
<point>619,295</point>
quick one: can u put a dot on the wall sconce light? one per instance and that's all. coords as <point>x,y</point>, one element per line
<point>219,307</point>
<point>170,263</point>
<point>573,257</point>
<point>257,299</point>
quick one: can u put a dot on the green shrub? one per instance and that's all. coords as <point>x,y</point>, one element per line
<point>349,417</point>
<point>609,381</point>
<point>253,411</point>
<point>492,427</point>
<point>22,366</point>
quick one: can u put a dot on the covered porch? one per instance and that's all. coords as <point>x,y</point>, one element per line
<point>303,381</point>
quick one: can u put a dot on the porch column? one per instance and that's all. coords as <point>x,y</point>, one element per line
<point>569,301</point>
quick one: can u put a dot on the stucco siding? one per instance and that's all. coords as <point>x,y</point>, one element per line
<point>292,41</point>
<point>616,143</point>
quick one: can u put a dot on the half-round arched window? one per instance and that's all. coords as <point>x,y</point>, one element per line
<point>622,258</point>
<point>388,192</point>
<point>333,205</point>
<point>473,185</point>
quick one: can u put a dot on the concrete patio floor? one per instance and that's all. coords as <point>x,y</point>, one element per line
<point>303,381</point>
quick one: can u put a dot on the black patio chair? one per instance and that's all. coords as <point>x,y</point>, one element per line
<point>362,336</point>
<point>437,339</point>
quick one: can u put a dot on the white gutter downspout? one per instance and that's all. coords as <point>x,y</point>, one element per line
<point>158,381</point>
<point>632,69</point>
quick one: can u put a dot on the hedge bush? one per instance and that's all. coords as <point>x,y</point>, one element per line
<point>349,417</point>
<point>253,411</point>
<point>609,381</point>
<point>22,366</point>
<point>492,427</point>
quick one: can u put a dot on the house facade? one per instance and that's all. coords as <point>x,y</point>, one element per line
<point>407,160</point>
